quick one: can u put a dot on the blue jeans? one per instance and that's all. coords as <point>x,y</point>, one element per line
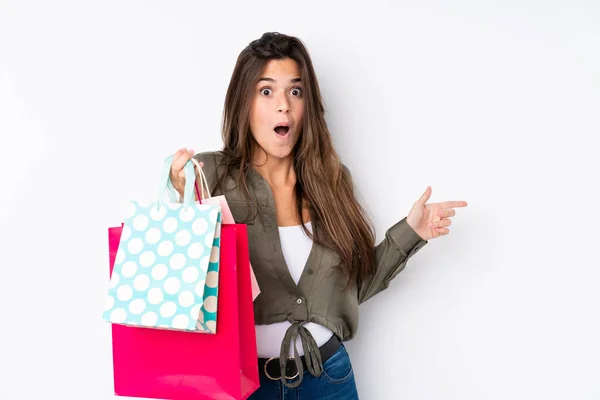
<point>335,383</point>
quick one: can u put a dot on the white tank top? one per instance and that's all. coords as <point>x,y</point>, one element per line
<point>296,247</point>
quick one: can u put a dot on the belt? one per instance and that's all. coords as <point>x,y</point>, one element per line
<point>272,366</point>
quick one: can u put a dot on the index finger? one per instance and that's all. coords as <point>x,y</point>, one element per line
<point>453,204</point>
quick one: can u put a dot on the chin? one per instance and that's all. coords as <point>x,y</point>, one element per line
<point>280,154</point>
<point>277,151</point>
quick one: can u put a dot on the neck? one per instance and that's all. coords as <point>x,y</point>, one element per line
<point>277,171</point>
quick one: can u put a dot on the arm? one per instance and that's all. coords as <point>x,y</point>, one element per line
<point>401,242</point>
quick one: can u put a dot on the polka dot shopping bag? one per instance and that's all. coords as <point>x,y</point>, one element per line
<point>166,269</point>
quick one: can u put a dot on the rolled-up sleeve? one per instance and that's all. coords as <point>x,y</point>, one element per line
<point>401,242</point>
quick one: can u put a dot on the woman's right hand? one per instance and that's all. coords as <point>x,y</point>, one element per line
<point>177,175</point>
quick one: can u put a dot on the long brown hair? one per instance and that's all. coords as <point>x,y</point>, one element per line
<point>322,184</point>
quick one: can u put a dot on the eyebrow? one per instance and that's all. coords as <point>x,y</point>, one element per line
<point>264,78</point>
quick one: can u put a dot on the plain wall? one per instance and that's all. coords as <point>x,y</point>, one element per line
<point>496,103</point>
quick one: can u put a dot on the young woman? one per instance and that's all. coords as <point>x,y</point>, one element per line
<point>311,245</point>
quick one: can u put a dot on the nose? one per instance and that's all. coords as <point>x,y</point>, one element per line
<point>283,105</point>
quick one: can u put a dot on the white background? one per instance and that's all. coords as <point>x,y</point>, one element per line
<point>496,103</point>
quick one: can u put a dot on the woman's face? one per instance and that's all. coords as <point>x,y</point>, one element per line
<point>277,108</point>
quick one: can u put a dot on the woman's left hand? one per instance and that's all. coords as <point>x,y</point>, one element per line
<point>432,220</point>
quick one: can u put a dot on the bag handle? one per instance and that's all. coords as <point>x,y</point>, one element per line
<point>166,184</point>
<point>203,182</point>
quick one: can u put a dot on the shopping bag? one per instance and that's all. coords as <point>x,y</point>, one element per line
<point>227,217</point>
<point>166,269</point>
<point>168,364</point>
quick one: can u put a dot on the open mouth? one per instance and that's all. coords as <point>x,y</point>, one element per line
<point>282,130</point>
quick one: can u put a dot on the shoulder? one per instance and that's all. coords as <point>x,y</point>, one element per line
<point>345,170</point>
<point>212,160</point>
<point>346,173</point>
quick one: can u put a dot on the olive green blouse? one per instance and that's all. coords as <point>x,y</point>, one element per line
<point>320,295</point>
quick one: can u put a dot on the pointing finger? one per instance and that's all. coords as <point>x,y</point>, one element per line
<point>453,204</point>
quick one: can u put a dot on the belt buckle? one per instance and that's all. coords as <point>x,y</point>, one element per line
<point>286,377</point>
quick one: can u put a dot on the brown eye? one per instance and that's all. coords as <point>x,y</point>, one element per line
<point>297,92</point>
<point>265,91</point>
